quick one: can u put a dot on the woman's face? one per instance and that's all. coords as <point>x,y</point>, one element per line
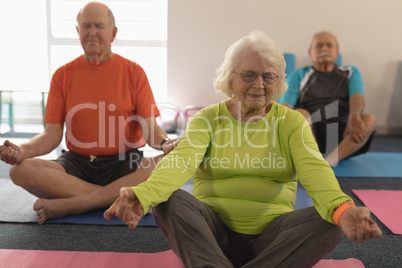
<point>257,94</point>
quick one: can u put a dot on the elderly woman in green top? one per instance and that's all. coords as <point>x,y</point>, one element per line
<point>246,155</point>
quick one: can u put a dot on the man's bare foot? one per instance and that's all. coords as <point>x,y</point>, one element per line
<point>47,209</point>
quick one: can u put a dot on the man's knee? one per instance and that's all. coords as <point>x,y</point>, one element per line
<point>370,121</point>
<point>18,171</point>
<point>22,174</point>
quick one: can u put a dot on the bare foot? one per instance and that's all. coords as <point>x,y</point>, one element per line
<point>54,208</point>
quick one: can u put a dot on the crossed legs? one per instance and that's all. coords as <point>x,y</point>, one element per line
<point>61,194</point>
<point>200,239</point>
<point>347,146</point>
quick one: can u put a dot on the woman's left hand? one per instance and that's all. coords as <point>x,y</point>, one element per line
<point>358,226</point>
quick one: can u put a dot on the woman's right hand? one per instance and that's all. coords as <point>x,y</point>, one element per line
<point>127,207</point>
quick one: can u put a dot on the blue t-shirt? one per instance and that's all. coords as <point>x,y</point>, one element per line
<point>325,92</point>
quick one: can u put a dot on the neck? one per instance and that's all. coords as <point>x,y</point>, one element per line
<point>324,67</point>
<point>98,59</point>
<point>245,114</point>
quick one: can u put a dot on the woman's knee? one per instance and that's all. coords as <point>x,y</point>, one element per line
<point>175,208</point>
<point>330,234</point>
<point>170,206</point>
<point>337,233</point>
<point>326,234</point>
<point>309,220</point>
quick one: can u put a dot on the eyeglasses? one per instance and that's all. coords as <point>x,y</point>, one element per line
<point>250,76</point>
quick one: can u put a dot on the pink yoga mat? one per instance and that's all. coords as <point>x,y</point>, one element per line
<point>78,259</point>
<point>386,205</point>
<point>59,259</point>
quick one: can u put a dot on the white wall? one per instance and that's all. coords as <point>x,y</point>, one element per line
<point>369,33</point>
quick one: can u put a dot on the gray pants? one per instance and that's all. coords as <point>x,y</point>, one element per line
<point>200,239</point>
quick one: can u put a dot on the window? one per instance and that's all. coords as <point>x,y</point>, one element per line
<point>40,36</point>
<point>141,36</point>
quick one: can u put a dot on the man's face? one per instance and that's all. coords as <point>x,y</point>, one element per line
<point>95,30</point>
<point>323,49</point>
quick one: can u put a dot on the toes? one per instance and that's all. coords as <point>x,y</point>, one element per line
<point>41,216</point>
<point>37,205</point>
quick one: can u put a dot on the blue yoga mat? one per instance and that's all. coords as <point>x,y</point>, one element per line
<point>96,217</point>
<point>370,165</point>
<point>17,207</point>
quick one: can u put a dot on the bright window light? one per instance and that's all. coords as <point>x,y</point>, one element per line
<point>42,37</point>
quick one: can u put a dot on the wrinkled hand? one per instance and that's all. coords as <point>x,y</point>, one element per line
<point>356,128</point>
<point>127,207</point>
<point>170,145</point>
<point>358,226</point>
<point>10,153</point>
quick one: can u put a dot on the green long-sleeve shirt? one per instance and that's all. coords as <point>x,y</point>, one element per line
<point>247,172</point>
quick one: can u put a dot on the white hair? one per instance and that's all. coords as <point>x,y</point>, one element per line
<point>267,49</point>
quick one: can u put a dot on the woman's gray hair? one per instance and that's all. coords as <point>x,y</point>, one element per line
<point>267,49</point>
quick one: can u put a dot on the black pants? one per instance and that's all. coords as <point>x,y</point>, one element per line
<point>100,170</point>
<point>330,134</point>
<point>200,239</point>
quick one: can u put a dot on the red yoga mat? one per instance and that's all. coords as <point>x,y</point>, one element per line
<point>386,205</point>
<point>59,259</point>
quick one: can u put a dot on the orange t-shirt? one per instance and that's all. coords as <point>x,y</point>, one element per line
<point>101,105</point>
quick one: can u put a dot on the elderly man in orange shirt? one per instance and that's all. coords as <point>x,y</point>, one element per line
<point>107,105</point>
